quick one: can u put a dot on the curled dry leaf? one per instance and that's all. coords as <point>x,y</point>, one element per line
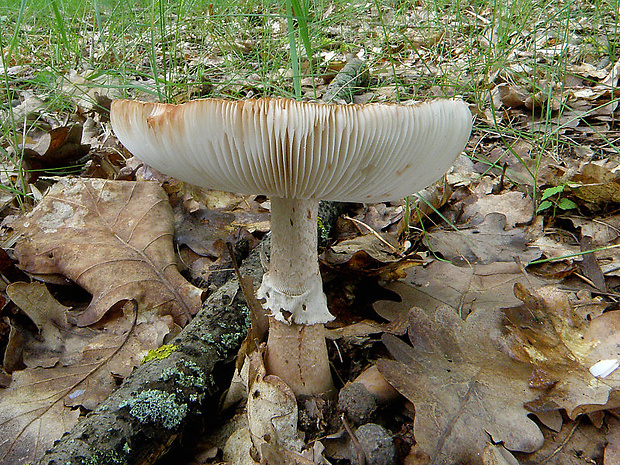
<point>50,318</point>
<point>370,254</point>
<point>113,238</point>
<point>509,96</point>
<point>562,346</point>
<point>272,412</point>
<point>466,392</point>
<point>59,148</point>
<point>596,182</point>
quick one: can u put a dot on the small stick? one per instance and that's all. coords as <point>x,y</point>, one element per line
<point>372,231</point>
<point>361,456</point>
<point>564,442</point>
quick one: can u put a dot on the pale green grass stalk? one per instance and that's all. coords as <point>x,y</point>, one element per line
<point>14,155</point>
<point>292,41</point>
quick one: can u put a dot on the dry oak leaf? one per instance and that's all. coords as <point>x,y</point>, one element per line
<point>43,349</point>
<point>482,288</point>
<point>39,405</point>
<point>563,345</point>
<point>32,414</point>
<point>484,243</point>
<point>517,207</point>
<point>467,394</point>
<point>597,182</point>
<point>113,238</point>
<point>59,343</point>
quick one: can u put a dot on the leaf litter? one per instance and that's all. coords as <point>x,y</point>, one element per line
<point>492,203</point>
<point>466,392</point>
<point>113,238</point>
<point>40,403</point>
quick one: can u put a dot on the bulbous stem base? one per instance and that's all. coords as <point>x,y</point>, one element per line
<point>297,354</point>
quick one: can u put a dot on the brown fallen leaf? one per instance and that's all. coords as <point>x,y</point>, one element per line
<point>590,266</point>
<point>113,238</point>
<point>481,288</point>
<point>596,182</point>
<point>59,148</point>
<point>40,404</point>
<point>205,231</point>
<point>365,328</point>
<point>483,243</point>
<point>605,234</point>
<point>604,230</point>
<point>14,351</point>
<point>612,449</point>
<point>272,413</point>
<point>508,95</point>
<point>115,351</point>
<point>467,394</point>
<point>496,454</point>
<point>33,399</point>
<point>517,207</point>
<point>578,443</point>
<point>50,318</point>
<point>370,254</point>
<point>566,350</point>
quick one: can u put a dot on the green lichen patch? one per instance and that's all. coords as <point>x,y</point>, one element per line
<point>226,341</point>
<point>191,380</point>
<point>160,353</point>
<point>232,339</point>
<point>156,407</point>
<point>187,374</point>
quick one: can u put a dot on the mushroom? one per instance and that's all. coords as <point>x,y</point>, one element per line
<point>297,153</point>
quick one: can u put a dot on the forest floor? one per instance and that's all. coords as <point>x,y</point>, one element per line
<point>489,301</point>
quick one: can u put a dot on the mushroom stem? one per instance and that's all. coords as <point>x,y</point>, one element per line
<point>293,262</point>
<point>293,293</point>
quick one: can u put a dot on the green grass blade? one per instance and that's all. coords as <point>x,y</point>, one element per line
<point>295,59</point>
<point>60,24</point>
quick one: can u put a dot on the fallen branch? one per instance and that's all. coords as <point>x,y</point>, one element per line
<point>138,423</point>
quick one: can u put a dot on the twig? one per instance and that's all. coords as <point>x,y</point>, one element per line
<point>375,233</point>
<point>564,442</point>
<point>361,455</point>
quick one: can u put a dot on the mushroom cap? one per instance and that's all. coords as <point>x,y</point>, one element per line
<point>292,149</point>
